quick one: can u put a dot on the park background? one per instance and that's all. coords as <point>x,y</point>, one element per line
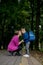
<point>17,13</point>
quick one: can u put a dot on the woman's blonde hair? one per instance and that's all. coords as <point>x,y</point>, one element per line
<point>16,32</point>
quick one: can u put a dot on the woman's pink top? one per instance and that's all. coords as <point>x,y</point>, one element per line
<point>14,43</point>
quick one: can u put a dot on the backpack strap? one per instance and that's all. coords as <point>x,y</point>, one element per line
<point>28,36</point>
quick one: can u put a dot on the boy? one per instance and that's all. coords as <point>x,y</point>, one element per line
<point>26,40</point>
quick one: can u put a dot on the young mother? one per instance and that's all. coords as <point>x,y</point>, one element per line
<point>15,43</point>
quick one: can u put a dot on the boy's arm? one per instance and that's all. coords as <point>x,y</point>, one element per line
<point>25,36</point>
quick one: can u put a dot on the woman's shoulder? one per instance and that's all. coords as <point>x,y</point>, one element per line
<point>15,36</point>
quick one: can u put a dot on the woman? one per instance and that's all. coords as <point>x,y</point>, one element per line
<point>15,43</point>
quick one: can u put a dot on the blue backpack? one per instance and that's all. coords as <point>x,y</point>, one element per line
<point>31,36</point>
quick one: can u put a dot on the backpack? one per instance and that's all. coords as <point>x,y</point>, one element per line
<point>31,36</point>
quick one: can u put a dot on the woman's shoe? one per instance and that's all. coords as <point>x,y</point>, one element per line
<point>18,54</point>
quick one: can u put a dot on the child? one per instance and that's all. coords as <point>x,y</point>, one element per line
<point>15,43</point>
<point>26,40</point>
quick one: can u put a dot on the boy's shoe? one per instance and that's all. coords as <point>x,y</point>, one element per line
<point>26,55</point>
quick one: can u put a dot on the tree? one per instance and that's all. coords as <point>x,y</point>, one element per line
<point>32,19</point>
<point>27,13</point>
<point>37,24</point>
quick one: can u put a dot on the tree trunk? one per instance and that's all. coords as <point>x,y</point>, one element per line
<point>37,25</point>
<point>32,21</point>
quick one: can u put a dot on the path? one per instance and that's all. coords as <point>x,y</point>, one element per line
<point>17,60</point>
<point>29,61</point>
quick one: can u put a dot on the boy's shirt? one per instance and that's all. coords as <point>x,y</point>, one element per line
<point>26,37</point>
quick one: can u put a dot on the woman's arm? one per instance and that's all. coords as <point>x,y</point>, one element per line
<point>21,41</point>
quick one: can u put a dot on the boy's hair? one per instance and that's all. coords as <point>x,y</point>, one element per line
<point>23,28</point>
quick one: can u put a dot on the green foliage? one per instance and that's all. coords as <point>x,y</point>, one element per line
<point>17,14</point>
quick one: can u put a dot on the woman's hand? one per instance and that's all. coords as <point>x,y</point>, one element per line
<point>21,41</point>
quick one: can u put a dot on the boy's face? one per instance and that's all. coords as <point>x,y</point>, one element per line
<point>23,30</point>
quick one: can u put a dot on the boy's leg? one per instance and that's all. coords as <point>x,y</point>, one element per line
<point>27,48</point>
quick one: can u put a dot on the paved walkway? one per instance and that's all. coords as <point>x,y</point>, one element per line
<point>17,60</point>
<point>29,61</point>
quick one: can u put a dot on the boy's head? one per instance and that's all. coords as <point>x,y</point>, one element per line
<point>23,30</point>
